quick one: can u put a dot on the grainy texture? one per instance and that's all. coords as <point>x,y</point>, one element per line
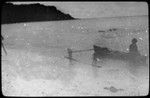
<point>35,64</point>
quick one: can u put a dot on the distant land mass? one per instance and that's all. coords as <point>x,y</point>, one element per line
<point>31,13</point>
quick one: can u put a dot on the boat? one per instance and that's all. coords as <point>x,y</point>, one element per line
<point>106,53</point>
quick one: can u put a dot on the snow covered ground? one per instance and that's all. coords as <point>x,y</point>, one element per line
<point>35,64</point>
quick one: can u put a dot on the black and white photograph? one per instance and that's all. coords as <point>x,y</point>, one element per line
<point>59,48</point>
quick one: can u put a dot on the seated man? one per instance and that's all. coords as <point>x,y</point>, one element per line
<point>133,49</point>
<point>134,55</point>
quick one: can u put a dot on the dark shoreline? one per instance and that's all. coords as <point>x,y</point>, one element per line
<point>31,13</point>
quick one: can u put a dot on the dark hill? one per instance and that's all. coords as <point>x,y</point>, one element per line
<point>31,12</point>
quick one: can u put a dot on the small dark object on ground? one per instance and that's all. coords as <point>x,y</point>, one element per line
<point>113,89</point>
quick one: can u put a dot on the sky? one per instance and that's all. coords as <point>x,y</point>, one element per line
<point>98,9</point>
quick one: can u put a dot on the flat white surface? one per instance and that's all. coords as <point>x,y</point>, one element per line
<point>35,64</point>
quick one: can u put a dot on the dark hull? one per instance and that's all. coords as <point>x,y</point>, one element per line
<point>105,53</point>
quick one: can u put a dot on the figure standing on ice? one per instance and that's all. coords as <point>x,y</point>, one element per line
<point>70,55</point>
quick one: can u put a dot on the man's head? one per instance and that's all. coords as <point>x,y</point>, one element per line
<point>134,40</point>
